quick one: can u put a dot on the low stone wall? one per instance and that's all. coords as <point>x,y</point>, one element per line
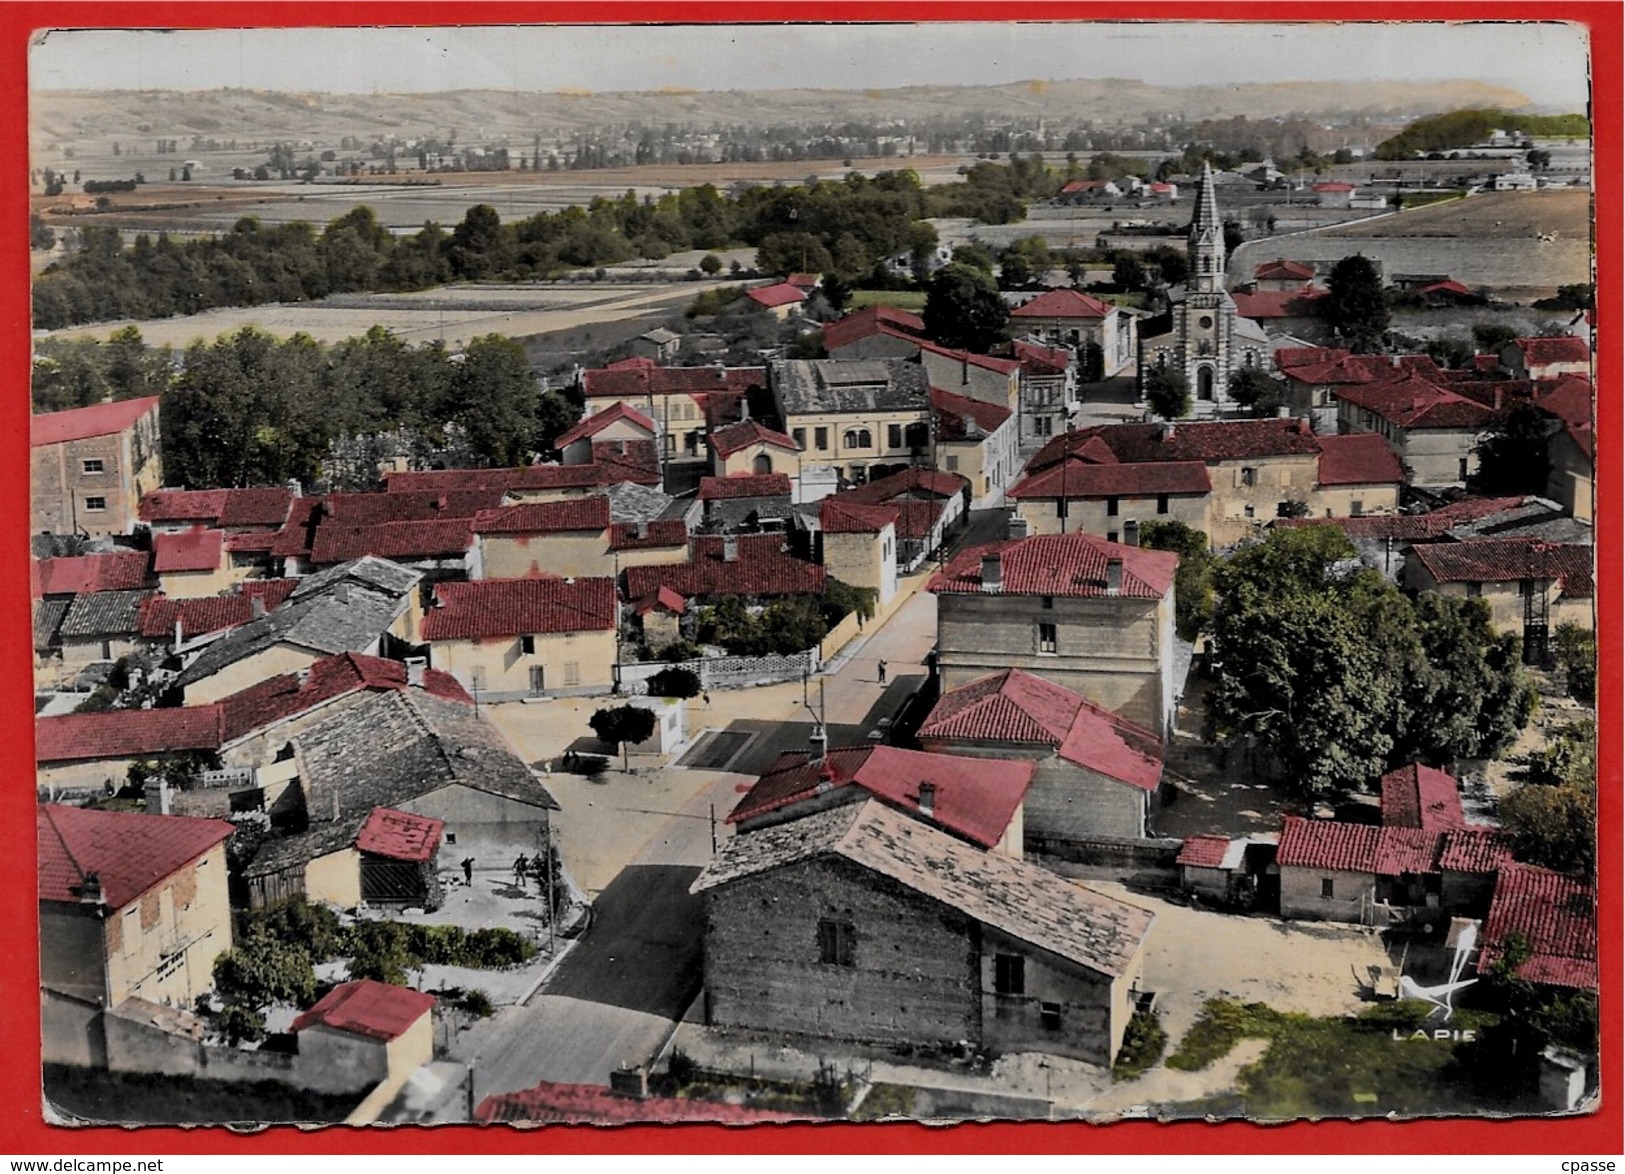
<point>145,1037</point>
<point>1144,862</point>
<point>726,672</point>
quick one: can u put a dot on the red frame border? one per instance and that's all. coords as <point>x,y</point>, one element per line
<point>22,1127</point>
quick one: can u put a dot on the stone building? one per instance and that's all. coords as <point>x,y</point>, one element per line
<point>89,467</point>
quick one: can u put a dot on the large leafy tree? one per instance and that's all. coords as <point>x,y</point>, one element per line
<point>1355,304</point>
<point>622,725</point>
<point>1193,580</point>
<point>1168,392</point>
<point>495,399</point>
<point>1513,457</point>
<point>1256,390</point>
<point>963,309</point>
<point>1336,677</point>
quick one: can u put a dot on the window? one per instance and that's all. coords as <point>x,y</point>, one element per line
<point>1249,477</point>
<point>130,933</point>
<point>538,679</point>
<point>1247,511</point>
<point>1356,507</point>
<point>93,465</point>
<point>1060,508</point>
<point>1131,532</point>
<point>1205,322</point>
<point>1046,638</point>
<point>799,435</point>
<point>953,464</point>
<point>1111,507</point>
<point>1047,602</point>
<point>1111,535</point>
<point>836,942</point>
<point>1049,1016</point>
<point>572,672</point>
<point>857,438</point>
<point>1462,473</point>
<point>1162,503</point>
<point>95,504</point>
<point>1475,590</point>
<point>821,439</point>
<point>1009,974</point>
<point>1043,425</point>
<point>894,436</point>
<point>527,646</point>
<point>1326,886</point>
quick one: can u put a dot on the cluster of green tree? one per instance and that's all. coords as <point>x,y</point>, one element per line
<point>1257,390</point>
<point>96,187</point>
<point>1355,306</point>
<point>1552,815</point>
<point>1504,1060</point>
<point>1570,297</point>
<point>782,628</point>
<point>78,372</point>
<point>1335,677</point>
<point>963,308</point>
<point>1465,128</point>
<point>277,949</point>
<point>1577,657</point>
<point>1513,457</point>
<point>1289,142</point>
<point>1193,580</point>
<point>1168,391</point>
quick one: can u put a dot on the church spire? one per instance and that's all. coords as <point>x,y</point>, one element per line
<point>1206,238</point>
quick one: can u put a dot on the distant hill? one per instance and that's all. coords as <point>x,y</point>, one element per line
<point>65,116</point>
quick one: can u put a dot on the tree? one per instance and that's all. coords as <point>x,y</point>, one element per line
<point>1450,352</point>
<point>1577,655</point>
<point>496,400</point>
<point>1538,160</point>
<point>1168,391</point>
<point>710,264</point>
<point>1469,698</point>
<point>1128,271</point>
<point>1257,390</point>
<point>622,726</point>
<point>40,234</point>
<point>1354,304</point>
<point>963,309</point>
<point>1554,827</point>
<point>1513,458</point>
<point>1193,580</point>
<point>675,682</point>
<point>1490,337</point>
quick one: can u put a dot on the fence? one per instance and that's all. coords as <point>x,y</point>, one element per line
<point>726,672</point>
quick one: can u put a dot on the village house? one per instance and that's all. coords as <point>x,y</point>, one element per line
<point>1282,276</point>
<point>614,462</point>
<point>745,501</point>
<point>683,402</point>
<point>750,447</point>
<point>83,756</point>
<point>857,544</point>
<point>509,638</point>
<point>1433,431</point>
<point>130,906</point>
<point>572,537</point>
<point>875,332</point>
<point>659,617</point>
<point>99,628</point>
<point>235,511</point>
<point>757,566</point>
<point>1095,773</point>
<point>854,420</point>
<point>408,751</point>
<point>365,1035</point>
<point>658,345</point>
<point>1554,915</point>
<point>1297,312</point>
<point>90,467</point>
<point>619,421</point>
<point>175,626</point>
<point>1356,474</point>
<point>369,606</point>
<point>1093,616</point>
<point>1572,476</point>
<point>927,503</point>
<point>985,378</point>
<point>1049,390</point>
<point>1531,586</point>
<point>977,440</point>
<point>782,299</point>
<point>429,530</point>
<point>77,585</point>
<point>972,799</point>
<point>862,923</point>
<point>1313,375</point>
<point>193,563</point>
<point>1546,358</point>
<point>1072,318</point>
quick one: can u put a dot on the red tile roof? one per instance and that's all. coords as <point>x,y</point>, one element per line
<point>1290,358</point>
<point>591,1104</point>
<point>1270,303</point>
<point>1570,400</point>
<point>1413,402</point>
<point>1477,850</point>
<point>1359,458</point>
<point>83,423</point>
<point>127,853</point>
<point>1281,269</point>
<point>870,321</point>
<point>1447,286</point>
<point>373,509</point>
<point>975,798</point>
<point>781,294</point>
<point>1418,796</point>
<point>1504,560</point>
<point>1203,851</point>
<point>278,698</point>
<point>122,570</point>
<point>1016,706</point>
<point>126,733</point>
<point>1043,360</point>
<point>520,607</point>
<point>1063,303</point>
<point>253,541</point>
<point>1410,527</point>
<point>400,835</point>
<point>377,1010</point>
<point>662,597</point>
<point>802,280</point>
<point>546,517</point>
<point>958,414</point>
<point>1209,442</point>
<point>1335,367</point>
<point>195,549</point>
<point>641,377</point>
<point>336,543</point>
<point>658,533</point>
<point>850,517</point>
<point>159,614</point>
<point>913,481</point>
<point>1061,564</point>
<point>1326,844</point>
<point>1402,851</point>
<point>738,437</point>
<point>598,421</point>
<point>762,568</point>
<point>222,507</point>
<point>1555,915</point>
<point>1566,349</point>
<point>639,464</point>
<point>1074,479</point>
<point>1380,851</point>
<point>744,485</point>
<point>985,362</point>
<point>1333,187</point>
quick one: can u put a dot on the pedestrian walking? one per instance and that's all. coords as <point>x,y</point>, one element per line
<point>468,869</point>
<point>880,671</point>
<point>706,697</point>
<point>520,866</point>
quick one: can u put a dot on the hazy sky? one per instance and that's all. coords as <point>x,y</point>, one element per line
<point>1545,61</point>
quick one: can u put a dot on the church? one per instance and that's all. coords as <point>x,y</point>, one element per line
<point>1209,341</point>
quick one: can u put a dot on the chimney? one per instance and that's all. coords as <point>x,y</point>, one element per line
<point>343,593</point>
<point>992,573</point>
<point>415,666</point>
<point>1167,433</point>
<point>90,889</point>
<point>293,488</point>
<point>744,408</point>
<point>630,1081</point>
<point>335,805</point>
<point>1131,533</point>
<point>1114,576</point>
<point>1282,412</point>
<point>256,606</point>
<point>642,530</point>
<point>730,548</point>
<point>1499,393</point>
<point>928,800</point>
<point>818,743</point>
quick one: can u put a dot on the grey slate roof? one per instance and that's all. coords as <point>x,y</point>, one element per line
<point>805,386</point>
<point>1534,517</point>
<point>370,571</point>
<point>103,613</point>
<point>393,748</point>
<point>48,614</point>
<point>346,617</point>
<point>1029,903</point>
<point>637,503</point>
